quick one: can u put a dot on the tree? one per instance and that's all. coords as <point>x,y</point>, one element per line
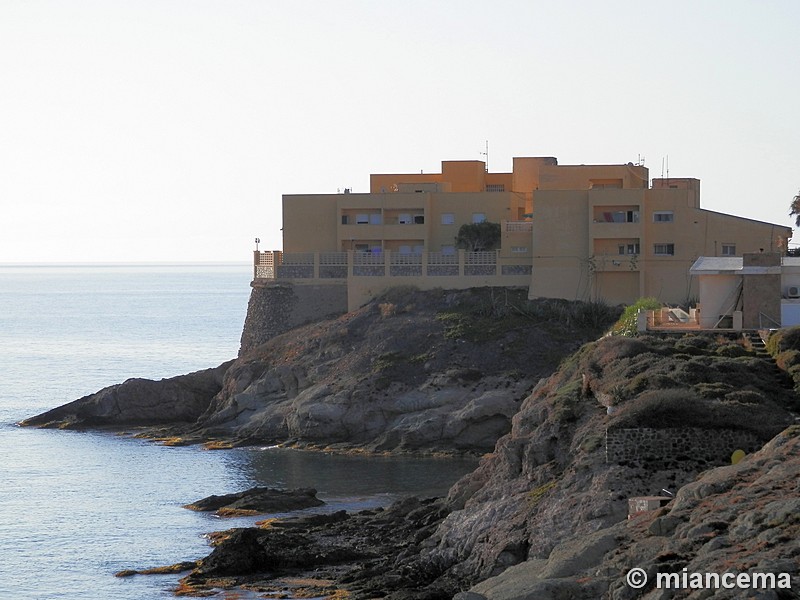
<point>795,209</point>
<point>478,237</point>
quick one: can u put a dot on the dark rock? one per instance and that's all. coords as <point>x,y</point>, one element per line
<point>259,500</point>
<point>138,402</point>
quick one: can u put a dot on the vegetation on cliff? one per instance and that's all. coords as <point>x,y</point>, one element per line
<point>544,510</point>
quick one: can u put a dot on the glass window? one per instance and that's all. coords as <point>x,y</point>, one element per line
<point>362,219</point>
<point>478,217</point>
<point>446,249</point>
<point>448,218</point>
<point>375,219</point>
<point>664,249</point>
<point>404,219</point>
<point>728,249</point>
<point>663,216</point>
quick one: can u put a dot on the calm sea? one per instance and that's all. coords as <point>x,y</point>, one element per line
<point>77,507</point>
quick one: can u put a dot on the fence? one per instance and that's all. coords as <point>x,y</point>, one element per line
<point>340,265</point>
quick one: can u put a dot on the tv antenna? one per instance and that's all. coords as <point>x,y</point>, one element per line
<point>486,154</point>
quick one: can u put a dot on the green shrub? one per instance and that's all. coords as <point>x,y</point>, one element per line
<point>784,339</point>
<point>731,350</point>
<point>693,344</point>
<point>626,325</point>
<point>788,359</point>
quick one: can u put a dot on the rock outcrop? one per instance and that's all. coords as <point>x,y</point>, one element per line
<point>545,514</point>
<point>139,402</point>
<point>738,519</point>
<point>258,500</point>
<point>410,372</point>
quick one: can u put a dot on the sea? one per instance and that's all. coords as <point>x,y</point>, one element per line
<point>78,507</point>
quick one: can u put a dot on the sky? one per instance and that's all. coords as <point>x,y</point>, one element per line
<point>167,130</point>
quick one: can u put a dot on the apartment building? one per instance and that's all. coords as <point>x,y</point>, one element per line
<point>620,244</point>
<point>585,232</point>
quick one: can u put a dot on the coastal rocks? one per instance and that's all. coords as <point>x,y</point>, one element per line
<point>737,519</point>
<point>372,553</point>
<point>137,402</point>
<point>258,500</point>
<point>411,372</point>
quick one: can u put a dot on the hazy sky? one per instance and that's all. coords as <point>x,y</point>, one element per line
<point>145,130</point>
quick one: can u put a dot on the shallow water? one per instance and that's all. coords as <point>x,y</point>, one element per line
<point>76,507</point>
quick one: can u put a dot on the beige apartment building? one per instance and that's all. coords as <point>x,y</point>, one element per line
<point>580,232</point>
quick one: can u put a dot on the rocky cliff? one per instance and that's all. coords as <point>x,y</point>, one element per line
<point>412,371</point>
<point>545,514</point>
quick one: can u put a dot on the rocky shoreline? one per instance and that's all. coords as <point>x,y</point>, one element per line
<point>373,553</point>
<point>412,372</point>
<point>570,434</point>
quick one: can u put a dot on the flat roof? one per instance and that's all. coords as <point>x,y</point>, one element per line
<point>730,265</point>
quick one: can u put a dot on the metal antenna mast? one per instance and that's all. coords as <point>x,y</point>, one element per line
<point>486,154</point>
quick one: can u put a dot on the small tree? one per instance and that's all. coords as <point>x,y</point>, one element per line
<point>794,209</point>
<point>479,237</point>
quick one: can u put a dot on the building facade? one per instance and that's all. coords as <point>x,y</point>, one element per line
<point>579,232</point>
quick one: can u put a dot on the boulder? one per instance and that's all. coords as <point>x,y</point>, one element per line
<point>258,500</point>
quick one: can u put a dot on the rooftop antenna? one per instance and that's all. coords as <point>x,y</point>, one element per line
<point>486,154</point>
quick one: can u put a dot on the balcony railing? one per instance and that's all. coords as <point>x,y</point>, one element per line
<point>518,226</point>
<point>341,265</point>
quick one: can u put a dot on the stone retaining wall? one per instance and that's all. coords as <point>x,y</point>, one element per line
<point>276,307</point>
<point>674,448</point>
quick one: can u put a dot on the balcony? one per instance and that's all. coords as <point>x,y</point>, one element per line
<point>384,232</point>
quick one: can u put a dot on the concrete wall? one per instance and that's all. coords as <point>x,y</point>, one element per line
<point>277,307</point>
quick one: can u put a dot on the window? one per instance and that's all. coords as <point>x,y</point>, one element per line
<point>664,249</point>
<point>404,219</point>
<point>478,217</point>
<point>629,248</point>
<point>447,249</point>
<point>344,220</point>
<point>728,249</point>
<point>362,247</point>
<point>375,219</point>
<point>519,249</point>
<point>362,219</point>
<point>663,216</point>
<point>496,187</point>
<point>448,219</point>
<point>419,219</point>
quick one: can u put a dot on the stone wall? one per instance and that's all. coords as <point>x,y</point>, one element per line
<point>278,306</point>
<point>676,448</point>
